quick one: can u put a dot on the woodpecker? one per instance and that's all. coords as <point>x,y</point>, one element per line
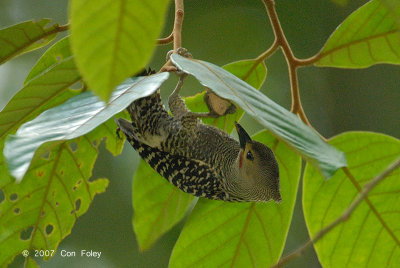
<point>197,158</point>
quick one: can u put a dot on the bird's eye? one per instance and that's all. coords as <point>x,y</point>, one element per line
<point>250,156</point>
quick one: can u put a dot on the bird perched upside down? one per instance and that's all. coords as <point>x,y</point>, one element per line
<point>200,159</point>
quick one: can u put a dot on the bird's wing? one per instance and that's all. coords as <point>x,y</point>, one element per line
<point>191,176</point>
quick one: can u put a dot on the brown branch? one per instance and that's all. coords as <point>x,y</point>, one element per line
<point>261,58</point>
<point>345,215</point>
<point>291,60</point>
<point>176,34</point>
<point>277,29</point>
<point>166,40</point>
<point>308,61</point>
<point>177,31</point>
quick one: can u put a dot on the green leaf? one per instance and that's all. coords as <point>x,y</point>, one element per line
<point>157,204</point>
<point>283,124</point>
<point>222,234</point>
<point>48,86</point>
<point>368,36</point>
<point>113,40</point>
<point>252,71</point>
<point>45,90</point>
<point>370,237</point>
<point>53,56</point>
<point>41,210</point>
<point>25,37</point>
<point>76,117</point>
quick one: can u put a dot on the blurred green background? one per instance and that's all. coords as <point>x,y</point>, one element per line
<point>335,100</point>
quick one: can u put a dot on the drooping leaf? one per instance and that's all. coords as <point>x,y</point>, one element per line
<point>41,210</point>
<point>282,123</point>
<point>370,237</point>
<point>157,204</point>
<point>76,117</point>
<point>370,35</point>
<point>25,37</point>
<point>113,40</point>
<point>223,234</point>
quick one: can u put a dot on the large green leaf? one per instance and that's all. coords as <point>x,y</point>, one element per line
<point>369,36</point>
<point>48,86</point>
<point>113,40</point>
<point>74,118</point>
<point>282,123</point>
<point>41,210</point>
<point>25,37</point>
<point>222,234</point>
<point>157,213</point>
<point>157,204</point>
<point>370,237</point>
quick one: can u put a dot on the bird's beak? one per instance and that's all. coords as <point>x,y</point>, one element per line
<point>243,136</point>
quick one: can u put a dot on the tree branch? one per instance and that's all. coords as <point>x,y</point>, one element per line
<point>177,31</point>
<point>345,215</point>
<point>176,35</point>
<point>291,60</point>
<point>166,40</point>
<point>261,58</point>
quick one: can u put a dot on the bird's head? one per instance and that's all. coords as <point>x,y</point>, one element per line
<point>258,169</point>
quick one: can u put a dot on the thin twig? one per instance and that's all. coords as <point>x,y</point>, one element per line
<point>176,34</point>
<point>291,60</point>
<point>308,61</point>
<point>261,58</point>
<point>166,40</point>
<point>177,31</point>
<point>345,215</point>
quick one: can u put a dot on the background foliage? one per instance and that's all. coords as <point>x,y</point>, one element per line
<point>335,101</point>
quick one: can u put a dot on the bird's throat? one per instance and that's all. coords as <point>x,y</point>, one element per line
<point>240,159</point>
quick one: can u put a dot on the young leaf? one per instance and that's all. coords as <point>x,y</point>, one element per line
<point>113,40</point>
<point>76,117</point>
<point>41,210</point>
<point>370,237</point>
<point>222,234</point>
<point>25,37</point>
<point>157,204</point>
<point>282,123</point>
<point>369,36</point>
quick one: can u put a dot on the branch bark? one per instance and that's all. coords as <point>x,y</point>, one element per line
<point>176,35</point>
<point>291,60</point>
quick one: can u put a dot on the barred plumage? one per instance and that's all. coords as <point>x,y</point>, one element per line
<point>197,158</point>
